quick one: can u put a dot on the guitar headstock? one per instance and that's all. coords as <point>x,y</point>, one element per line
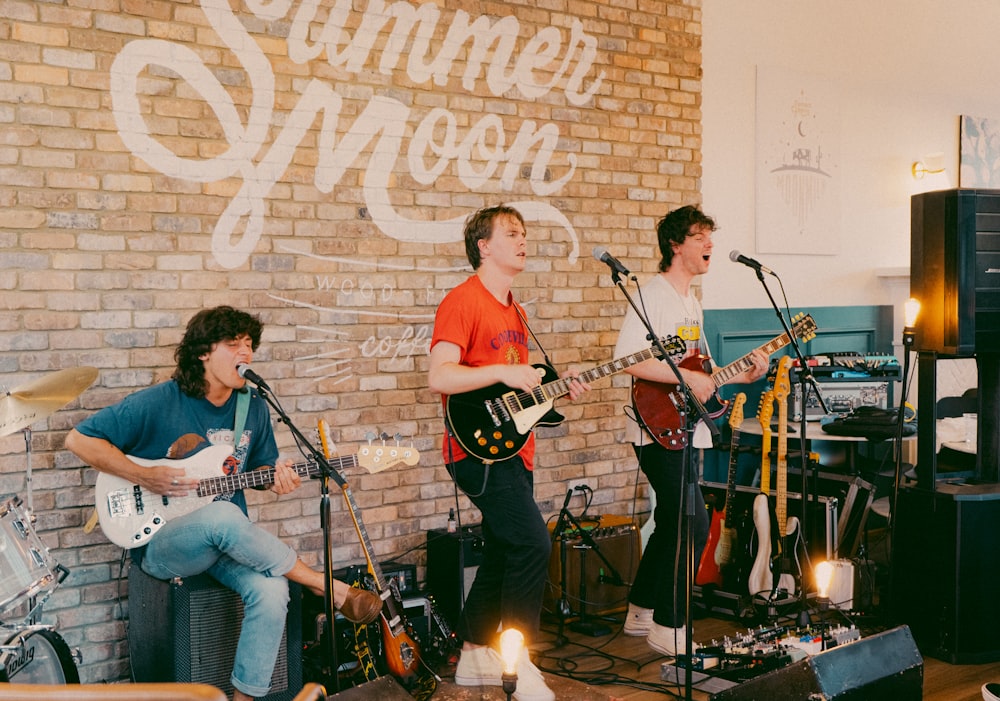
<point>674,345</point>
<point>373,457</point>
<point>766,411</point>
<point>736,413</point>
<point>781,383</point>
<point>325,441</point>
<point>804,327</point>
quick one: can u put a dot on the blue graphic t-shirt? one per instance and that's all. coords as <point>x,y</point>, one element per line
<point>154,423</point>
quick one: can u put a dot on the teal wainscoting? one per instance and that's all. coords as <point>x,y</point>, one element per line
<point>732,333</point>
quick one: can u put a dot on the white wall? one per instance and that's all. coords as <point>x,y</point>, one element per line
<point>906,71</point>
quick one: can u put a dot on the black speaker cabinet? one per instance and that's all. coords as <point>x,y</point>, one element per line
<point>187,632</point>
<point>587,575</point>
<point>887,665</point>
<point>945,570</point>
<point>452,561</point>
<point>954,253</point>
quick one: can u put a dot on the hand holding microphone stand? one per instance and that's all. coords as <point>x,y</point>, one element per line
<point>325,474</point>
<point>690,478</point>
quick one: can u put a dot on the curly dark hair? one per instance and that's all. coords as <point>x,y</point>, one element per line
<point>206,328</point>
<point>479,226</point>
<point>675,227</point>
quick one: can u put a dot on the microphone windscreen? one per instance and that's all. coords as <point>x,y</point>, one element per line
<point>600,252</point>
<point>734,256</point>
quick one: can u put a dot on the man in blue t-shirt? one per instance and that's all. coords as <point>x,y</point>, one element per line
<point>198,407</point>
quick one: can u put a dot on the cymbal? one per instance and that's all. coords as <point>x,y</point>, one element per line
<point>42,397</point>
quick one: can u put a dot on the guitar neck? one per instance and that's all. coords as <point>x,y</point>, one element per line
<point>725,374</point>
<point>560,387</point>
<point>765,462</point>
<point>226,484</point>
<point>781,489</point>
<point>731,477</point>
<point>366,542</point>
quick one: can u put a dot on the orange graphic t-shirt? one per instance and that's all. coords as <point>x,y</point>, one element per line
<point>488,333</point>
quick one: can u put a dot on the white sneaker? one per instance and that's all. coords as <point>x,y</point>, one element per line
<point>637,621</point>
<point>479,666</point>
<point>531,684</point>
<point>668,641</point>
<point>482,666</point>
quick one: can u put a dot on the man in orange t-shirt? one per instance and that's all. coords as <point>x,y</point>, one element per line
<point>480,339</point>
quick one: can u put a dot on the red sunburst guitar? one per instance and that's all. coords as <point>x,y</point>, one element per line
<point>662,408</point>
<point>722,537</point>
<point>402,652</point>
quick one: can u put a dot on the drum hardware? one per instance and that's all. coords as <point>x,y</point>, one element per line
<point>32,652</point>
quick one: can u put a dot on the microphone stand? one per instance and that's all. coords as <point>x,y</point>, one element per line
<point>326,472</point>
<point>690,476</point>
<point>806,380</point>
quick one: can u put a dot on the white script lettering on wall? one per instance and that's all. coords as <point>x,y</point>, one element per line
<point>485,154</point>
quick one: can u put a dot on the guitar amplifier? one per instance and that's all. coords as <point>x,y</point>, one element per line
<point>840,398</point>
<point>617,540</point>
<point>187,632</point>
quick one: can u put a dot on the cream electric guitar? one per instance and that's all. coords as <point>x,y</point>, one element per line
<point>130,514</point>
<point>778,534</point>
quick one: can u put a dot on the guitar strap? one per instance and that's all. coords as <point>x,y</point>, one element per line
<point>531,333</point>
<point>242,409</point>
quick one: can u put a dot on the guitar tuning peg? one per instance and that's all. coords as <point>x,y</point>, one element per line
<point>384,436</point>
<point>369,436</point>
<point>398,437</point>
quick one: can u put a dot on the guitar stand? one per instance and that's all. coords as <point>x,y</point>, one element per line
<point>585,625</point>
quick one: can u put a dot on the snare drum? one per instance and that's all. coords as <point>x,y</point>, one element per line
<point>26,567</point>
<point>37,656</point>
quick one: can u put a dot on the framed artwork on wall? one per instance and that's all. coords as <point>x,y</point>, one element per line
<point>979,153</point>
<point>798,163</point>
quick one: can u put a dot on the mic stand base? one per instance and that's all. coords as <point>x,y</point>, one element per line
<point>594,629</point>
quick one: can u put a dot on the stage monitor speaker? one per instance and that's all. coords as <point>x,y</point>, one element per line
<point>617,539</point>
<point>452,561</point>
<point>887,665</point>
<point>381,689</point>
<point>187,632</point>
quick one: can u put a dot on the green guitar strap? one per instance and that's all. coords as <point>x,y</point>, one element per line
<point>242,409</point>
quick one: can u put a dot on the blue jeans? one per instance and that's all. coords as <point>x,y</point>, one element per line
<point>661,579</point>
<point>219,539</point>
<point>510,582</point>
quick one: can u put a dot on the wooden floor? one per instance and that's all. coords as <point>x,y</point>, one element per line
<point>626,668</point>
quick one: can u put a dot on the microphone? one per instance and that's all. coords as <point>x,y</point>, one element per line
<point>247,373</point>
<point>601,254</point>
<point>738,257</point>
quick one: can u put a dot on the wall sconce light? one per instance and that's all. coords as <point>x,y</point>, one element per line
<point>933,163</point>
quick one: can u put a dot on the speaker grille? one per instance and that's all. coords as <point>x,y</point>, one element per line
<point>188,632</point>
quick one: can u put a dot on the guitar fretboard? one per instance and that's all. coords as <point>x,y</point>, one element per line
<point>735,421</point>
<point>557,388</point>
<point>803,328</point>
<point>781,390</point>
<point>225,484</point>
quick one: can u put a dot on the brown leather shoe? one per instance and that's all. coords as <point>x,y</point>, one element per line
<point>361,606</point>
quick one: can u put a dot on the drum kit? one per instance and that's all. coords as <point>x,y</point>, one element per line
<point>33,653</point>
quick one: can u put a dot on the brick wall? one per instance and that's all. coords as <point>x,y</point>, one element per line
<point>160,157</point>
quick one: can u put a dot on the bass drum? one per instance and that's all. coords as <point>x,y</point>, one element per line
<point>38,657</point>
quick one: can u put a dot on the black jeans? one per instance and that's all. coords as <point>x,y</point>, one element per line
<point>510,582</point>
<point>661,579</point>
